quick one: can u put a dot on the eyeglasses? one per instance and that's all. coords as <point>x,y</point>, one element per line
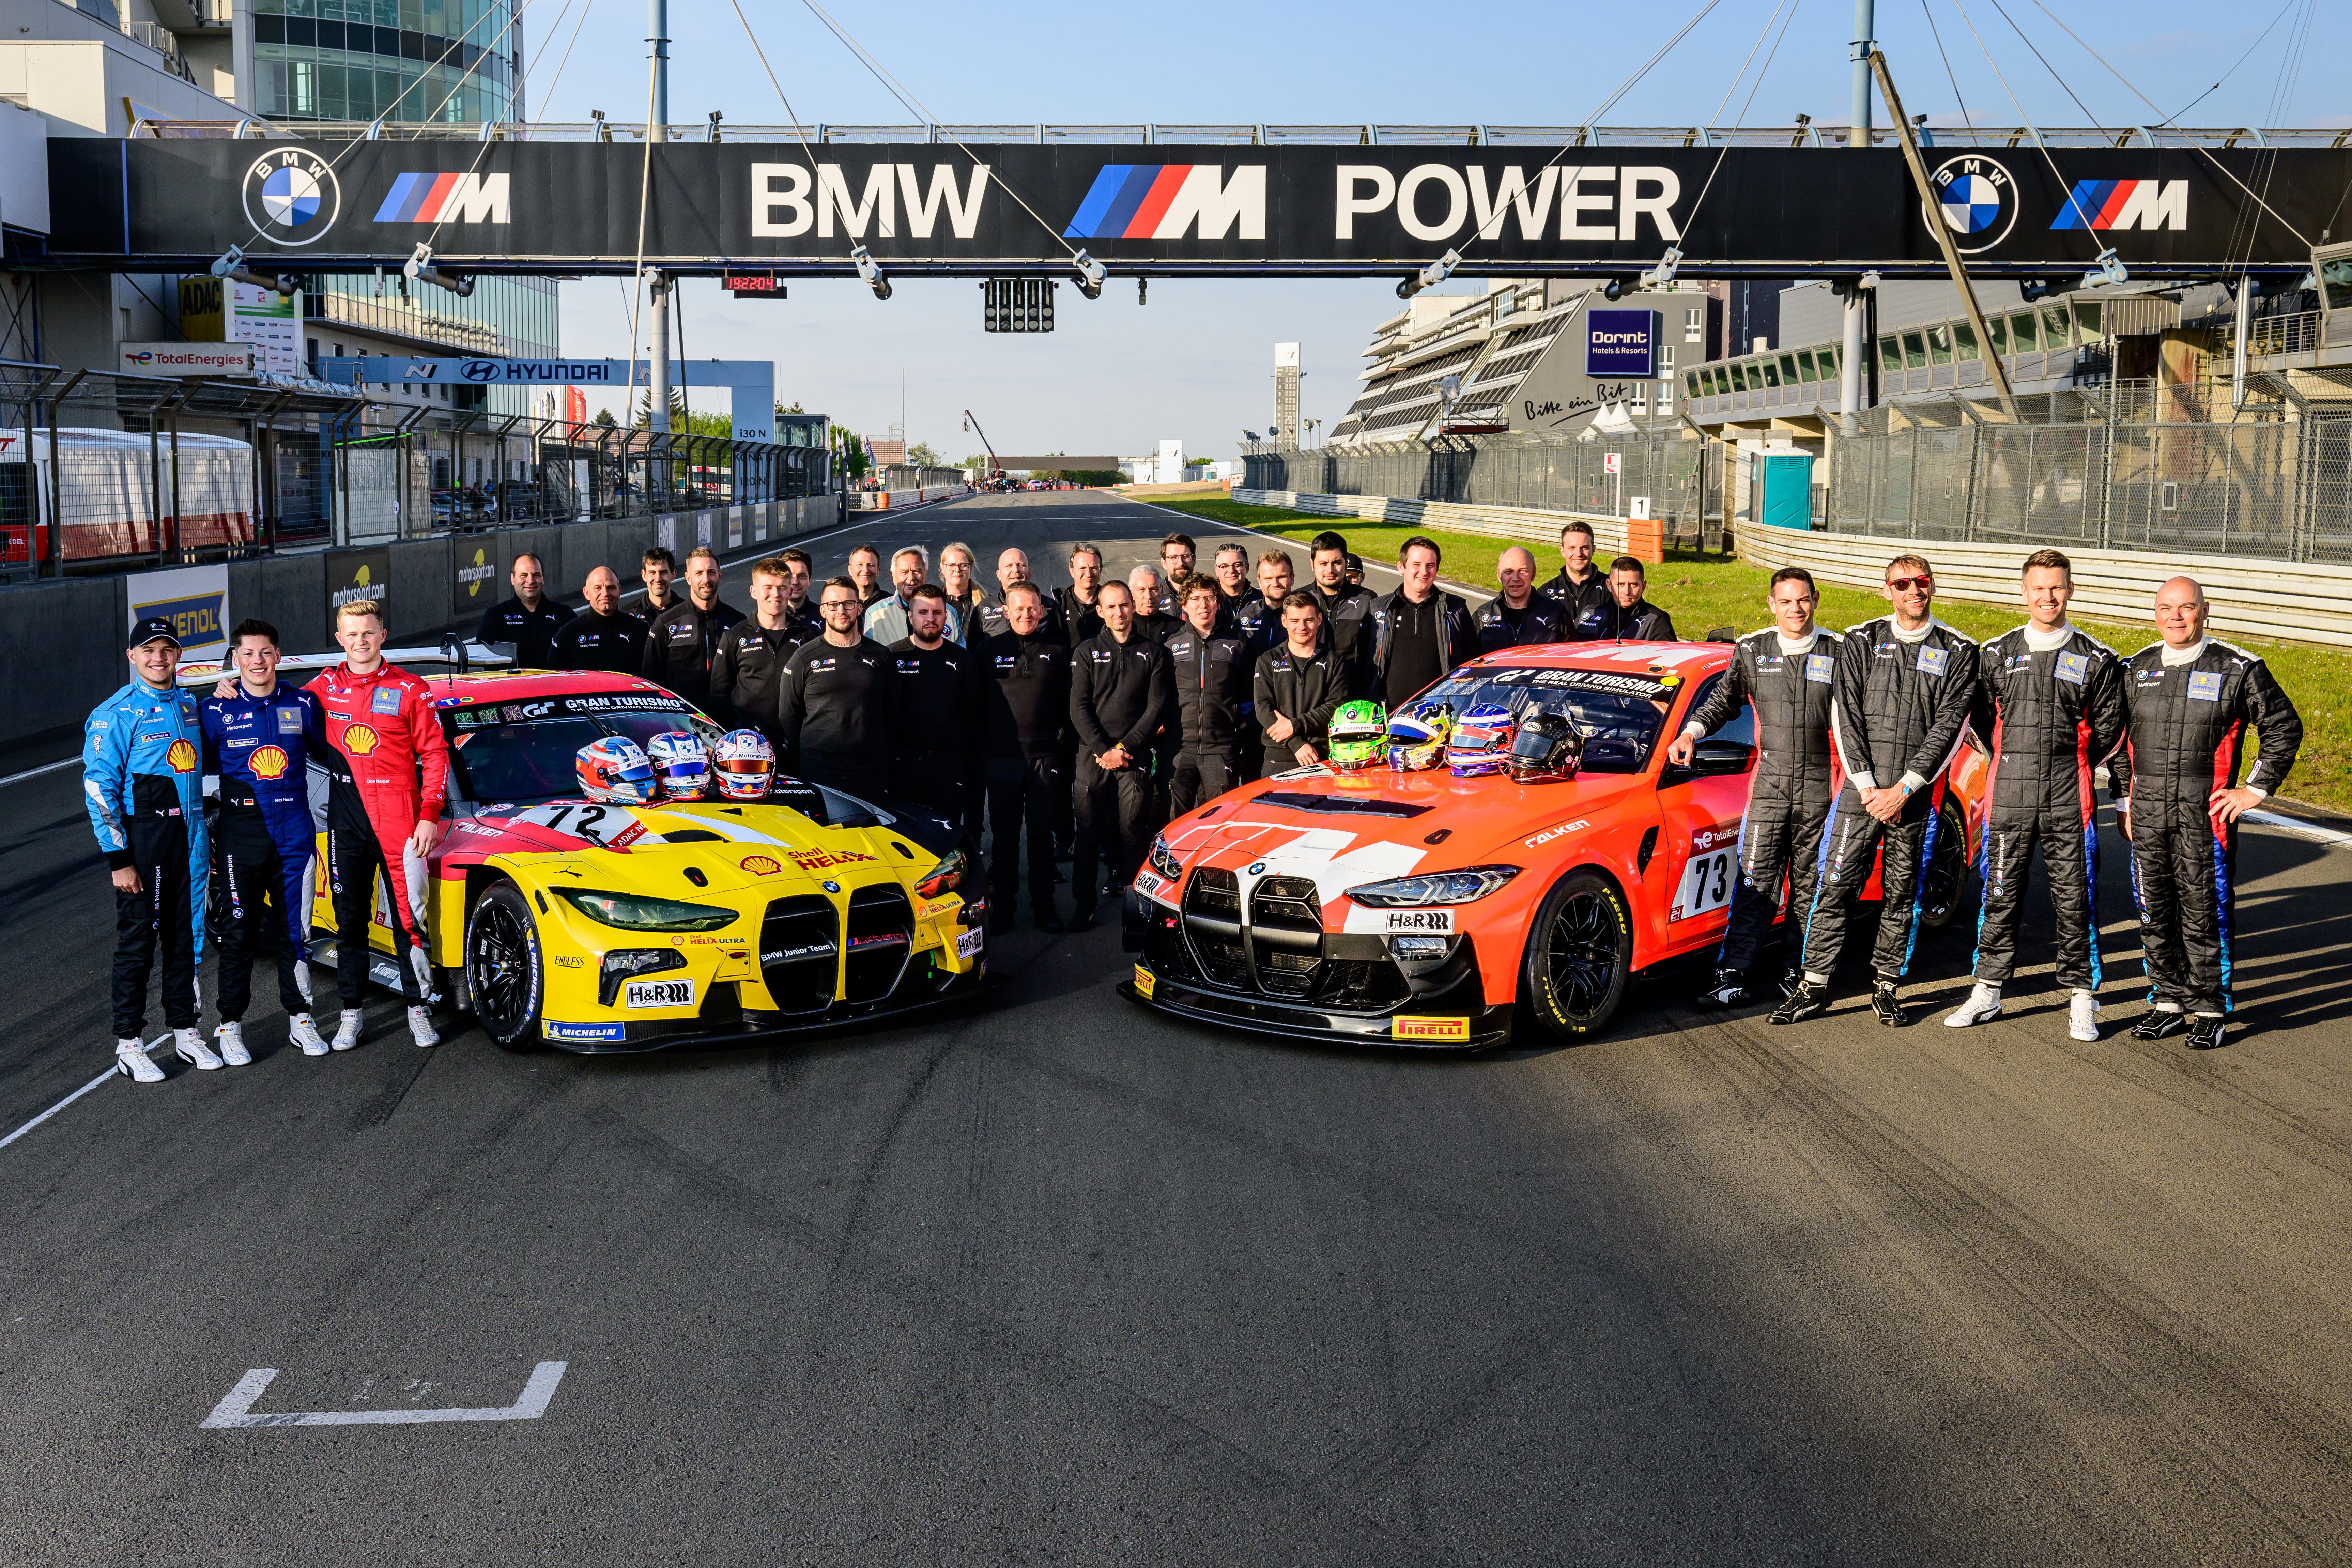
<point>1900,584</point>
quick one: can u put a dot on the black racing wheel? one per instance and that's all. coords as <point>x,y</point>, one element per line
<point>1944,880</point>
<point>506,972</point>
<point>1580,955</point>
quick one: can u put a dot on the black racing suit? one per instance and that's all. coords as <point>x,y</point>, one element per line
<point>1788,795</point>
<point>1348,631</point>
<point>1118,697</point>
<point>2185,736</point>
<point>1501,626</point>
<point>834,711</point>
<point>935,730</point>
<point>1077,619</point>
<point>1307,692</point>
<point>1577,600</point>
<point>680,644</point>
<point>1612,622</point>
<point>1025,697</point>
<point>1899,712</point>
<point>591,641</point>
<point>1212,713</point>
<point>2049,718</point>
<point>747,674</point>
<point>532,630</point>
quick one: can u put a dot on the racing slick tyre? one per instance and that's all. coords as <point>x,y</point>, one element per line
<point>1580,955</point>
<point>1944,883</point>
<point>506,972</point>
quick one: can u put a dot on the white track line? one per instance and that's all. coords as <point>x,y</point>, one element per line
<point>2300,828</point>
<point>36,772</point>
<point>76,1094</point>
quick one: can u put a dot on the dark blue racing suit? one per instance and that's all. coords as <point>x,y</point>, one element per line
<point>261,748</point>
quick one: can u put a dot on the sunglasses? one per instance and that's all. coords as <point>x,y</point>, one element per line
<point>1900,584</point>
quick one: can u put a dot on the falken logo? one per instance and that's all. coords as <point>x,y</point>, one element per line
<point>1161,201</point>
<point>445,198</point>
<point>2126,203</point>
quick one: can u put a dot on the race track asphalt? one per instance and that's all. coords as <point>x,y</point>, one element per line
<point>1058,1281</point>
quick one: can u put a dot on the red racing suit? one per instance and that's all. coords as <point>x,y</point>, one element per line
<point>389,768</point>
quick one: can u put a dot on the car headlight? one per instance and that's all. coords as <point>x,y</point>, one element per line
<point>634,913</point>
<point>945,877</point>
<point>1462,886</point>
<point>1163,859</point>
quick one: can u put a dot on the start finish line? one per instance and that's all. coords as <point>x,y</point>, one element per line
<point>753,381</point>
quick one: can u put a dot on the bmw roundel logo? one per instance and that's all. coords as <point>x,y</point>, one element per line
<point>832,887</point>
<point>479,370</point>
<point>1257,870</point>
<point>1976,200</point>
<point>291,197</point>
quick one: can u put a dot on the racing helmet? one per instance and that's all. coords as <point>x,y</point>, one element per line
<point>1357,732</point>
<point>743,763</point>
<point>1548,749</point>
<point>1481,742</point>
<point>615,771</point>
<point>683,763</point>
<point>1417,738</point>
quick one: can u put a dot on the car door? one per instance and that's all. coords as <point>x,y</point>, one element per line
<point>1695,864</point>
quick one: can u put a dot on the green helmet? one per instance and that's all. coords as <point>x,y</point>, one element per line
<point>1359,733</point>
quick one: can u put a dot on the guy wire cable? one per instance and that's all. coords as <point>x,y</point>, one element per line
<point>2072,201</point>
<point>483,151</point>
<point>1744,106</point>
<point>1928,9</point>
<point>637,297</point>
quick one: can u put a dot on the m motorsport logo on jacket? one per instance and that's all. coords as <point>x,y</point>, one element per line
<point>291,197</point>
<point>1161,201</point>
<point>445,198</point>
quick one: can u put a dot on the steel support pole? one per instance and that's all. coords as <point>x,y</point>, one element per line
<point>1857,135</point>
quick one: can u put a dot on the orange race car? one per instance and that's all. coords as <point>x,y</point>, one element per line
<point>1420,909</point>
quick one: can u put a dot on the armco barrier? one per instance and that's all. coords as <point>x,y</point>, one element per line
<point>2299,602</point>
<point>61,641</point>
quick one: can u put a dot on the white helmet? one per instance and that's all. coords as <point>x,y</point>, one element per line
<point>743,763</point>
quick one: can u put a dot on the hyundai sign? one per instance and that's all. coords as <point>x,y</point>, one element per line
<point>1622,345</point>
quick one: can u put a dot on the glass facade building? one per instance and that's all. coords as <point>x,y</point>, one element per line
<point>409,60</point>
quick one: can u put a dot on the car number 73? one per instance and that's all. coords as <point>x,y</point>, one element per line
<point>1705,885</point>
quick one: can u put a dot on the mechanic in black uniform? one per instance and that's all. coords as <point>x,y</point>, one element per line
<point>746,671</point>
<point>1211,666</point>
<point>799,577</point>
<point>866,571</point>
<point>1296,688</point>
<point>1420,633</point>
<point>1344,609</point>
<point>530,620</point>
<point>1905,685</point>
<point>604,635</point>
<point>834,703</point>
<point>1578,588</point>
<point>1012,566</point>
<point>1258,623</point>
<point>683,640</point>
<point>1154,598</point>
<point>1231,565</point>
<point>1519,616</point>
<point>1120,693</point>
<point>935,716</point>
<point>1788,673</point>
<point>657,569</point>
<point>1026,672</point>
<point>2050,707</point>
<point>2187,702</point>
<point>1076,604</point>
<point>1628,616</point>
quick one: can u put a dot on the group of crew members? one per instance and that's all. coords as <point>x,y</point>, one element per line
<point>1074,724</point>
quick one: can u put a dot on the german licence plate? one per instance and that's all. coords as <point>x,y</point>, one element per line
<point>661,992</point>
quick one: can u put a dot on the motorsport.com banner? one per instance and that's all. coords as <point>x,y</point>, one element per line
<point>573,205</point>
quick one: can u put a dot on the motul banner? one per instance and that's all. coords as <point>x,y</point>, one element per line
<point>713,208</point>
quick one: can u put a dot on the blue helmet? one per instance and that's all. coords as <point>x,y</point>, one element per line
<point>683,762</point>
<point>1417,738</point>
<point>1481,742</point>
<point>614,770</point>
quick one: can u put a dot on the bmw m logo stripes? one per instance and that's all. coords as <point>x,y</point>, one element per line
<point>1162,201</point>
<point>2126,203</point>
<point>445,198</point>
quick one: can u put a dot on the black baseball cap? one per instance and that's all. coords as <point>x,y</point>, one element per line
<point>155,628</point>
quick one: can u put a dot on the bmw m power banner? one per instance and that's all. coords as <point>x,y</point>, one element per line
<point>713,208</point>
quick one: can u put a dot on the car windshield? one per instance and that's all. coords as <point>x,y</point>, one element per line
<point>524,753</point>
<point>1620,714</point>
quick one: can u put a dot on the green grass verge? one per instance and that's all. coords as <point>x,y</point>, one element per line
<point>1702,593</point>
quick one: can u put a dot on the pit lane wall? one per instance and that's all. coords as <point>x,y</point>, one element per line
<point>2292,602</point>
<point>61,641</point>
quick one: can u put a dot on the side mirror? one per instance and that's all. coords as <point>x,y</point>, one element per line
<point>1720,634</point>
<point>1719,758</point>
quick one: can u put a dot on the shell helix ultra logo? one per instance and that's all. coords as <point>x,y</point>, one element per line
<point>268,763</point>
<point>475,572</point>
<point>182,756</point>
<point>291,197</point>
<point>359,740</point>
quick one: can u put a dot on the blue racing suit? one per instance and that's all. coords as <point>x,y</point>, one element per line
<point>261,748</point>
<point>142,775</point>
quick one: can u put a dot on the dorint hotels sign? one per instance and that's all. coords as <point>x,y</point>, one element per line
<point>1621,345</point>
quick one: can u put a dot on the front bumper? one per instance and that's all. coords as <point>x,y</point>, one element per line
<point>726,1023</point>
<point>1355,992</point>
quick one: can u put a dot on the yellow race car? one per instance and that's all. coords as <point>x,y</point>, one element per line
<point>632,928</point>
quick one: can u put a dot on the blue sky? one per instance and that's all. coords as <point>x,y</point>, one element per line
<point>1196,362</point>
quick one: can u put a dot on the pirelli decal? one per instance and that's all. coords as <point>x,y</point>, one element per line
<point>1455,1030</point>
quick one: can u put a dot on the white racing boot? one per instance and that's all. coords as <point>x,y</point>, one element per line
<point>420,1024</point>
<point>231,1036</point>
<point>347,1033</point>
<point>303,1036</point>
<point>2083,1017</point>
<point>190,1047</point>
<point>1982,1005</point>
<point>131,1061</point>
